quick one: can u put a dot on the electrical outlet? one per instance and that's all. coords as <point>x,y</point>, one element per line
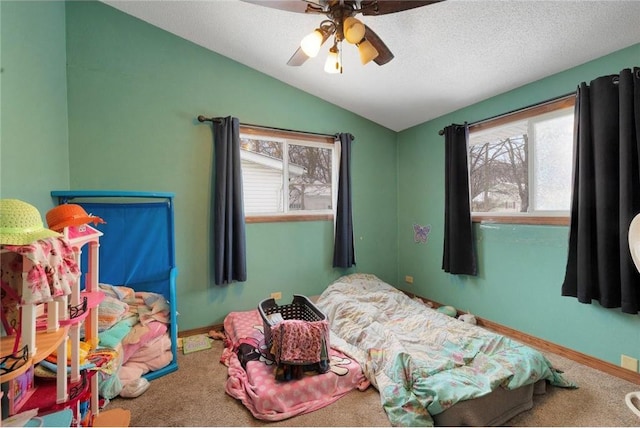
<point>629,363</point>
<point>276,295</point>
<point>408,279</point>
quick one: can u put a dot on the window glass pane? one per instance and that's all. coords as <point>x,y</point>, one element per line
<point>309,178</point>
<point>521,163</point>
<point>552,163</point>
<point>284,176</point>
<point>262,175</point>
<point>498,172</point>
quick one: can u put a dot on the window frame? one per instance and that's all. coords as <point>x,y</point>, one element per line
<point>302,139</point>
<point>536,218</point>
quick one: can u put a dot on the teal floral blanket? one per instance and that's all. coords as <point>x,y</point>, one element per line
<point>421,361</point>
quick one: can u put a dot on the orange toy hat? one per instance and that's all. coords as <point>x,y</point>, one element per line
<point>66,215</point>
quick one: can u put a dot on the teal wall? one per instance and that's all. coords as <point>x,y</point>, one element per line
<point>122,116</point>
<point>521,268</point>
<point>134,94</point>
<point>34,151</point>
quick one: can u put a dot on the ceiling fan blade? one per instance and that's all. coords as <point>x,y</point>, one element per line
<point>298,6</point>
<point>383,7</point>
<point>384,54</point>
<point>298,58</point>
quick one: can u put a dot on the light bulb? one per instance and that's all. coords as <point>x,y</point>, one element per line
<point>353,30</point>
<point>367,51</point>
<point>333,65</point>
<point>311,43</point>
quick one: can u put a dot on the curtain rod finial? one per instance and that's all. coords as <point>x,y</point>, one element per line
<point>201,118</point>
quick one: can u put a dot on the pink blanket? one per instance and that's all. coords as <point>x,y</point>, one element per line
<point>253,382</point>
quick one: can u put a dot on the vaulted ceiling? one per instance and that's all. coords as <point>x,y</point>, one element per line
<point>448,55</point>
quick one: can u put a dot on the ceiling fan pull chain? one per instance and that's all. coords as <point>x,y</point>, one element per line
<point>340,53</point>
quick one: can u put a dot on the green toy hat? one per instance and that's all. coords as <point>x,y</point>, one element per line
<point>21,223</point>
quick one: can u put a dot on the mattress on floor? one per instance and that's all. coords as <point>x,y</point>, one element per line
<point>493,409</point>
<point>425,363</point>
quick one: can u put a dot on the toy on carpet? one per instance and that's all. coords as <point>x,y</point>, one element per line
<point>197,342</point>
<point>135,388</point>
<point>468,318</point>
<point>217,335</point>
<point>448,310</point>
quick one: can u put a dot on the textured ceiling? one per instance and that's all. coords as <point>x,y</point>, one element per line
<point>447,55</point>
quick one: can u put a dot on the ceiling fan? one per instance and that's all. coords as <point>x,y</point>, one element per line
<point>342,25</point>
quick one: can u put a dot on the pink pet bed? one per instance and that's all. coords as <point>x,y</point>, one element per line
<point>252,377</point>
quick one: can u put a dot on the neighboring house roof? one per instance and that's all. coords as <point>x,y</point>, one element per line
<point>270,162</point>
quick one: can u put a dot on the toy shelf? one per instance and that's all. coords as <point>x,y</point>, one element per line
<point>93,299</point>
<point>61,326</point>
<point>44,396</point>
<point>47,342</point>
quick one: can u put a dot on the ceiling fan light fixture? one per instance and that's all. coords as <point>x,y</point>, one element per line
<point>333,64</point>
<point>353,30</point>
<point>311,43</point>
<point>367,51</point>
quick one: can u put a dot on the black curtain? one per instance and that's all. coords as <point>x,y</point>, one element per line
<point>606,193</point>
<point>343,249</point>
<point>229,246</point>
<point>459,251</point>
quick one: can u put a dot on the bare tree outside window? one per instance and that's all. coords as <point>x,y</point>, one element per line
<point>521,164</point>
<point>499,175</point>
<point>312,190</point>
<point>272,149</point>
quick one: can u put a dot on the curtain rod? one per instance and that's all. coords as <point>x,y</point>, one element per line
<point>202,118</point>
<point>477,122</point>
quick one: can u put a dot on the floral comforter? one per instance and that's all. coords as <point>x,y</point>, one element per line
<point>421,361</point>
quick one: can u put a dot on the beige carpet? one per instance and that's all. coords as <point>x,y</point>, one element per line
<point>195,396</point>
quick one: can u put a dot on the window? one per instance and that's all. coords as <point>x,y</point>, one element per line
<point>520,165</point>
<point>306,163</point>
